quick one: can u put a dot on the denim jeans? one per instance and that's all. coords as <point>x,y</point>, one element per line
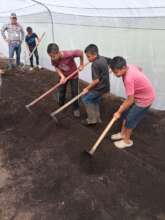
<point>134,115</point>
<point>92,104</point>
<point>74,92</point>
<point>92,98</point>
<point>14,47</point>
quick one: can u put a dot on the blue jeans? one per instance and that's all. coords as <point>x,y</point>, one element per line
<point>14,47</point>
<point>92,98</point>
<point>92,104</point>
<point>134,115</point>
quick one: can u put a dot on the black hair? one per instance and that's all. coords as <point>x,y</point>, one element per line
<point>52,48</point>
<point>118,63</point>
<point>29,29</point>
<point>108,60</point>
<point>92,49</point>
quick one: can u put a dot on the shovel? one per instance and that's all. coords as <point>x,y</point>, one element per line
<point>95,146</point>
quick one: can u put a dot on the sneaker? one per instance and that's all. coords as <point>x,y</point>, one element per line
<point>76,113</point>
<point>39,67</point>
<point>18,67</point>
<point>31,68</point>
<point>116,137</point>
<point>122,144</point>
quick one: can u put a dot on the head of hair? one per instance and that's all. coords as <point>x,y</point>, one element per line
<point>52,48</point>
<point>29,29</point>
<point>108,60</point>
<point>92,49</point>
<point>118,63</point>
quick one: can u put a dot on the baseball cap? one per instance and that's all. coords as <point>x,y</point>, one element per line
<point>13,15</point>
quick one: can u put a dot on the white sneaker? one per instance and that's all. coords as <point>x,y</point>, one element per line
<point>39,67</point>
<point>116,137</point>
<point>122,144</point>
<point>31,68</point>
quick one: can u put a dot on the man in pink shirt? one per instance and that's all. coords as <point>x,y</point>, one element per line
<point>64,64</point>
<point>140,96</point>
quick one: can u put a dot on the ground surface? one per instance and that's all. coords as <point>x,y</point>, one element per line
<point>45,176</point>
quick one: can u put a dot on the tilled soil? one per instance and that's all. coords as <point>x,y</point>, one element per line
<point>45,175</point>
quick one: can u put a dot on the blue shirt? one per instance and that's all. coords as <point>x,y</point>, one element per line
<point>31,40</point>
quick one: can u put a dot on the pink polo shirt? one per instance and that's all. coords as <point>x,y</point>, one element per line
<point>138,85</point>
<point>67,64</point>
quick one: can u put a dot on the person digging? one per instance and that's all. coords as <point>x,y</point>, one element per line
<point>32,40</point>
<point>100,85</point>
<point>65,65</point>
<point>140,96</point>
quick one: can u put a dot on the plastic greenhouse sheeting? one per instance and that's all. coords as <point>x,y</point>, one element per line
<point>134,29</point>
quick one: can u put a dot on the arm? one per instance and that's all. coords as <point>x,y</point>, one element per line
<point>27,46</point>
<point>129,88</point>
<point>95,78</point>
<point>124,106</point>
<point>26,43</point>
<point>4,28</point>
<point>78,54</point>
<point>22,34</point>
<point>61,75</point>
<point>81,66</point>
<point>91,85</point>
<point>38,39</point>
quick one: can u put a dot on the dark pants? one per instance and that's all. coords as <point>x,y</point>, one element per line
<point>36,55</point>
<point>74,92</point>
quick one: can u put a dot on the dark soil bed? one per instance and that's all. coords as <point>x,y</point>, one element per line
<point>44,174</point>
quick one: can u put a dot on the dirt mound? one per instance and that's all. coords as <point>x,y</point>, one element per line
<point>44,174</point>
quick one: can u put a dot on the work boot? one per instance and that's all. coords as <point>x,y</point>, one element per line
<point>86,123</point>
<point>91,113</point>
<point>97,110</point>
<point>76,113</point>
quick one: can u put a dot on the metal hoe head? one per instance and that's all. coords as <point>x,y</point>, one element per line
<point>54,118</point>
<point>28,108</point>
<point>88,154</point>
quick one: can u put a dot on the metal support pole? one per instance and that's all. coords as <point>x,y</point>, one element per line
<point>50,13</point>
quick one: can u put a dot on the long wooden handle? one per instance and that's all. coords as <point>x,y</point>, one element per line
<point>43,95</point>
<point>37,45</point>
<point>95,146</point>
<point>66,105</point>
<point>53,88</point>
